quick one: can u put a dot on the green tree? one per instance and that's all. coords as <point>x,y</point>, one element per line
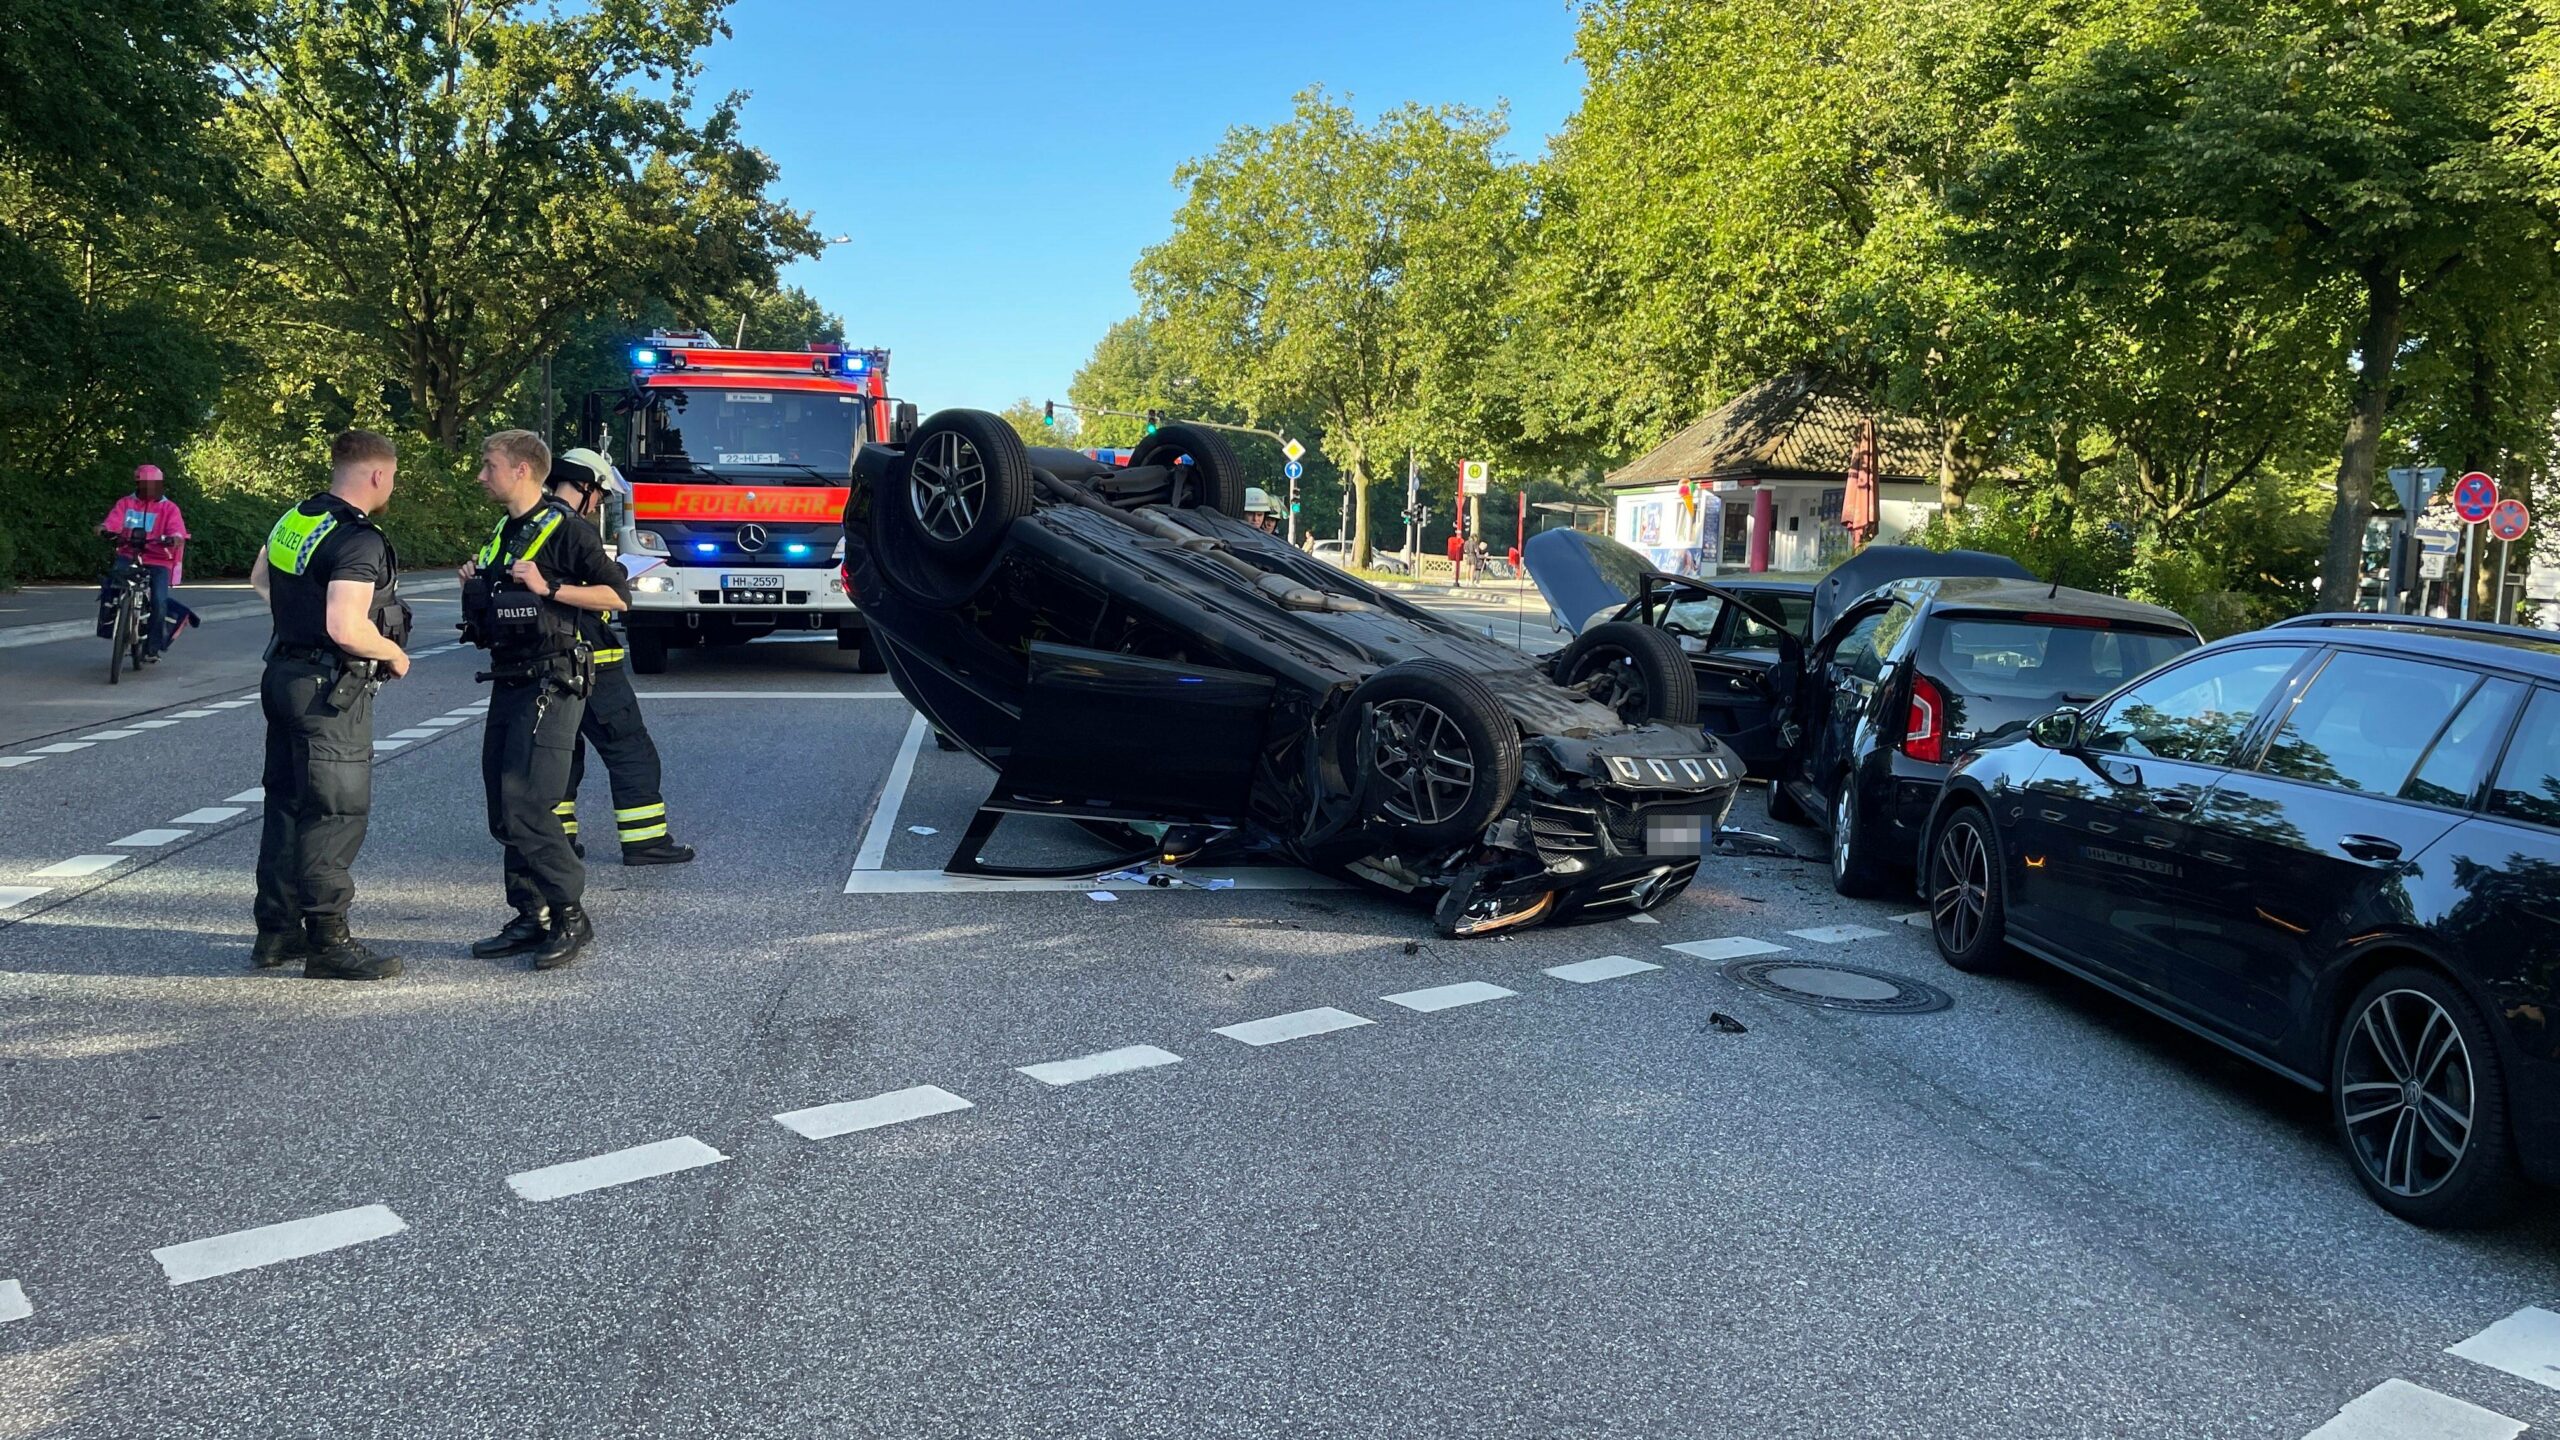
<point>450,185</point>
<point>1029,422</point>
<point>1340,272</point>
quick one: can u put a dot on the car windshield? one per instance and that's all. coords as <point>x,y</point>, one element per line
<point>770,437</point>
<point>2032,659</point>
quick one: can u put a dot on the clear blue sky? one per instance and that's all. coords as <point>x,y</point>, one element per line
<point>999,165</point>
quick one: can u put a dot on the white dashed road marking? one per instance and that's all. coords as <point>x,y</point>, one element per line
<point>439,722</point>
<point>1731,947</point>
<point>13,1302</point>
<point>12,762</point>
<point>1296,1025</point>
<point>600,1172</point>
<point>229,704</point>
<point>382,745</point>
<point>142,838</point>
<point>1643,920</point>
<point>825,1122</point>
<point>1449,997</point>
<point>62,747</point>
<point>209,815</point>
<point>1094,1067</point>
<point>15,895</point>
<point>79,865</point>
<point>2525,1345</point>
<point>153,724</point>
<point>1836,934</point>
<point>270,1244</point>
<point>413,734</point>
<point>2398,1410</point>
<point>193,714</point>
<point>111,735</point>
<point>255,794</point>
<point>1607,967</point>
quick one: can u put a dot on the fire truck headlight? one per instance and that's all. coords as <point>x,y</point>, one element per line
<point>654,584</point>
<point>650,542</point>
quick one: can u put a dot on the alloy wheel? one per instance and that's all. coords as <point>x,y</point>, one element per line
<point>2406,1093</point>
<point>1844,811</point>
<point>1961,898</point>
<point>947,486</point>
<point>1424,760</point>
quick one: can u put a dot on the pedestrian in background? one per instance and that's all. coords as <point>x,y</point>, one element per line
<point>331,582</point>
<point>541,567</point>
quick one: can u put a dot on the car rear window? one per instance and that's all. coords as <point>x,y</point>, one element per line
<point>2025,658</point>
<point>2528,785</point>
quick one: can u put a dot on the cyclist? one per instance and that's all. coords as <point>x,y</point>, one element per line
<point>161,551</point>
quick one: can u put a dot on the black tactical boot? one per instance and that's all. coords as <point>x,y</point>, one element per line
<point>661,851</point>
<point>275,947</point>
<point>335,955</point>
<point>570,932</point>
<point>524,935</point>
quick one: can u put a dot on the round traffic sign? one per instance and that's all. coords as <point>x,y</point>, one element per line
<point>1293,469</point>
<point>2474,496</point>
<point>2510,520</point>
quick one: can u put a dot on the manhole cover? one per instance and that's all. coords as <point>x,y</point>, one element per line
<point>1837,987</point>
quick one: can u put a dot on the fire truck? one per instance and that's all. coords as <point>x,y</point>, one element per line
<point>740,463</point>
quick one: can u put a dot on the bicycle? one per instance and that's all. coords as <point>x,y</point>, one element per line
<point>129,592</point>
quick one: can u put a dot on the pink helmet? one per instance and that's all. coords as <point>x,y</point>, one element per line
<point>146,475</point>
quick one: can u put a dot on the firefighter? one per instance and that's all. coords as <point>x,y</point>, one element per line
<point>331,582</point>
<point>580,479</point>
<point>521,600</point>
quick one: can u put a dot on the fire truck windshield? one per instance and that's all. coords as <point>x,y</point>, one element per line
<point>773,437</point>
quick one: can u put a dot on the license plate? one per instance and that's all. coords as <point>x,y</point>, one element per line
<point>751,589</point>
<point>1675,832</point>
<point>752,582</point>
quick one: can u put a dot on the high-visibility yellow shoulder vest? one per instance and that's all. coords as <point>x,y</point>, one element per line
<point>297,538</point>
<point>550,522</point>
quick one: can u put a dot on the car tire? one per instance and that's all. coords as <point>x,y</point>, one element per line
<point>1967,891</point>
<point>1218,475</point>
<point>967,479</point>
<point>1857,870</point>
<point>1635,670</point>
<point>2398,1151</point>
<point>648,652</point>
<point>1432,708</point>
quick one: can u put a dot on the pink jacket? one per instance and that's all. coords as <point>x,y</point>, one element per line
<point>163,528</point>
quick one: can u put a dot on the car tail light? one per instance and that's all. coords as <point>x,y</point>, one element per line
<point>1924,731</point>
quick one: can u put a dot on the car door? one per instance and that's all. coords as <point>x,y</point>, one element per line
<point>1746,672</point>
<point>2106,853</point>
<point>2329,834</point>
<point>2499,911</point>
<point>1842,678</point>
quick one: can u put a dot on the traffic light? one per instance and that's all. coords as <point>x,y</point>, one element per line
<point>1154,419</point>
<point>1293,507</point>
<point>1049,413</point>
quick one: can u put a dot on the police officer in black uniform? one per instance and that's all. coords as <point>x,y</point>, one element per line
<point>521,600</point>
<point>580,479</point>
<point>331,582</point>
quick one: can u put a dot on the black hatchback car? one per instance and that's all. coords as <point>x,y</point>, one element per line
<point>1915,657</point>
<point>2332,846</point>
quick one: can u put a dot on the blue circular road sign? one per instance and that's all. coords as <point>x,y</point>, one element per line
<point>1293,469</point>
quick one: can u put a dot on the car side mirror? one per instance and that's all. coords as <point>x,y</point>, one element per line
<point>2057,731</point>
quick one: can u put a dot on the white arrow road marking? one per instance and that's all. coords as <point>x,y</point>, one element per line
<point>270,1244</point>
<point>1095,1066</point>
<point>621,1167</point>
<point>1296,1025</point>
<point>1446,997</point>
<point>825,1122</point>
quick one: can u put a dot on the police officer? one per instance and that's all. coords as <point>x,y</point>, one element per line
<point>521,600</point>
<point>330,580</point>
<point>580,479</point>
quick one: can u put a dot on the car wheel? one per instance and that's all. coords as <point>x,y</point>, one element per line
<point>648,652</point>
<point>1855,870</point>
<point>1217,478</point>
<point>2420,1103</point>
<point>1968,909</point>
<point>1635,670</point>
<point>968,480</point>
<point>1439,755</point>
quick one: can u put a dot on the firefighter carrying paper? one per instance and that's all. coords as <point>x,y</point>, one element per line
<point>580,479</point>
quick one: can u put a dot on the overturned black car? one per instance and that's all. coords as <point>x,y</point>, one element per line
<point>1124,651</point>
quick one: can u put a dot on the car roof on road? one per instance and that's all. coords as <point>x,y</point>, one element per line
<point>2511,647</point>
<point>2032,597</point>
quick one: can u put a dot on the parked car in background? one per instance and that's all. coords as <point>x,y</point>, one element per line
<point>1337,553</point>
<point>2332,846</point>
<point>1914,658</point>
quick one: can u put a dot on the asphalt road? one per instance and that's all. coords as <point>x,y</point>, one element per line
<point>1539,1205</point>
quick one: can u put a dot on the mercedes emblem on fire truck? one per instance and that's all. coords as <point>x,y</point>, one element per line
<point>751,538</point>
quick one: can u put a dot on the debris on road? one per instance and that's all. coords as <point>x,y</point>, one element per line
<point>1718,1020</point>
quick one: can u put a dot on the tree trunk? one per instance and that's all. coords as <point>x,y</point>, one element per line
<point>1958,467</point>
<point>1358,480</point>
<point>2376,345</point>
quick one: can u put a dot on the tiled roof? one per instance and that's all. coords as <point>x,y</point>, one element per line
<point>1792,427</point>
